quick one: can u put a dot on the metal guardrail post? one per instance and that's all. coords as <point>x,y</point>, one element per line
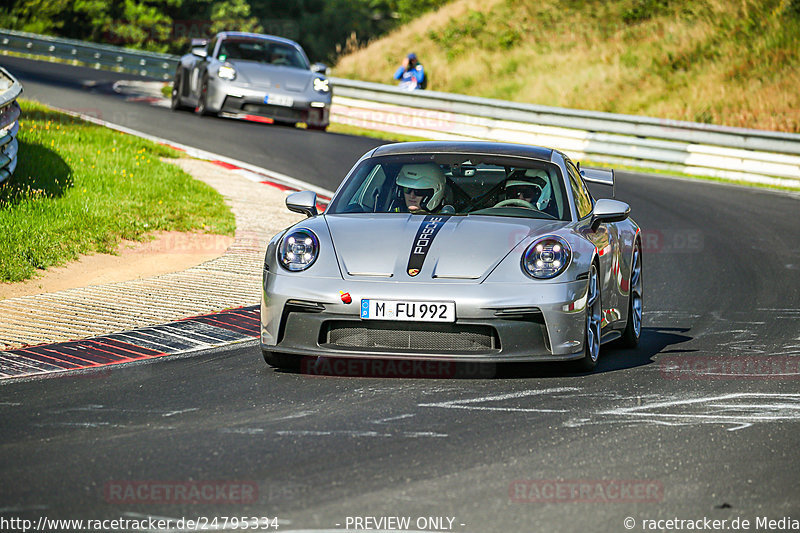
<point>9,123</point>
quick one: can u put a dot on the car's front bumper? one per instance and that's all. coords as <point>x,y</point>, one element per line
<point>495,322</point>
<point>235,99</point>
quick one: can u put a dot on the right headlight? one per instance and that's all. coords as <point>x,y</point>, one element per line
<point>321,85</point>
<point>298,250</point>
<point>227,72</point>
<point>546,257</point>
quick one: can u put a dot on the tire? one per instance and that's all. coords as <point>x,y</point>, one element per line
<point>175,100</point>
<point>594,315</point>
<point>633,328</point>
<point>281,360</point>
<point>317,128</point>
<point>202,106</point>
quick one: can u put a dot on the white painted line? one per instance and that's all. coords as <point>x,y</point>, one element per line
<point>392,419</point>
<point>181,411</point>
<point>752,412</point>
<point>358,433</point>
<point>414,434</point>
<point>342,432</point>
<point>301,414</point>
<point>468,404</point>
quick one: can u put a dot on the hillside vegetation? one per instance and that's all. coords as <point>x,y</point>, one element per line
<point>731,62</point>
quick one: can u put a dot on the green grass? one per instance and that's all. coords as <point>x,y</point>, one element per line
<point>729,62</point>
<point>81,188</point>
<point>346,129</point>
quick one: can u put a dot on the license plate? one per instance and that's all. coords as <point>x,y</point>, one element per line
<point>408,310</point>
<point>279,99</point>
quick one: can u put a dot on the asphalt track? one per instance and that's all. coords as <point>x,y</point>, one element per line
<point>717,438</point>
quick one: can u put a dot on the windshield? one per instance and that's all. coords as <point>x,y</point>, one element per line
<point>455,184</point>
<point>261,51</point>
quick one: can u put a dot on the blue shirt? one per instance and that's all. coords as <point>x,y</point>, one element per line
<point>410,79</point>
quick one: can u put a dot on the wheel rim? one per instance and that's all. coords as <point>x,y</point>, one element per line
<point>636,291</point>
<point>175,93</point>
<point>593,314</point>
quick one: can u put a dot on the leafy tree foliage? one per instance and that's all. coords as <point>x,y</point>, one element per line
<point>325,28</point>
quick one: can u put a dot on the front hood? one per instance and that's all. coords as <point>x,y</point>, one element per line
<point>271,76</point>
<point>463,248</point>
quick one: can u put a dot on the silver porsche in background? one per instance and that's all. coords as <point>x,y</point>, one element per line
<point>248,74</point>
<point>457,251</point>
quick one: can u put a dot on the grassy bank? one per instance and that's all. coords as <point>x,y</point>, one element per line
<point>81,188</point>
<point>730,62</point>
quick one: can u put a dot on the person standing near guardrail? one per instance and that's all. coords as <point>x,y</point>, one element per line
<point>411,74</point>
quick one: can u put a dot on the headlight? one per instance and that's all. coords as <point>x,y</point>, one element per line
<point>321,85</point>
<point>226,72</point>
<point>546,258</point>
<point>298,250</point>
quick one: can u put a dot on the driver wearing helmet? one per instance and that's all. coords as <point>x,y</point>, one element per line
<point>522,190</point>
<point>421,187</point>
<point>531,190</point>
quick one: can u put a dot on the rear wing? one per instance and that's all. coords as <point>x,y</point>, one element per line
<point>601,176</point>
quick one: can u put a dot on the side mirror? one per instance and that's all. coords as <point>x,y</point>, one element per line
<point>200,52</point>
<point>607,210</point>
<point>319,68</point>
<point>303,202</point>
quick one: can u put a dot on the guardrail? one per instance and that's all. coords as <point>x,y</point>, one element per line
<point>151,64</point>
<point>10,89</point>
<point>687,147</point>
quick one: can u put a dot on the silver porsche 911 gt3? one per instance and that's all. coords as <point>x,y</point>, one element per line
<point>249,74</point>
<point>457,251</point>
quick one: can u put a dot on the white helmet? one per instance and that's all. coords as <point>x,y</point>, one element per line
<point>424,176</point>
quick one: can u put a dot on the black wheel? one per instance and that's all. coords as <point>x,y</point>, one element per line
<point>202,107</point>
<point>633,328</point>
<point>175,100</point>
<point>317,128</point>
<point>281,360</point>
<point>591,338</point>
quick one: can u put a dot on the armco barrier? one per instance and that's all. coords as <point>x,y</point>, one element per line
<point>151,64</point>
<point>687,147</point>
<point>10,89</point>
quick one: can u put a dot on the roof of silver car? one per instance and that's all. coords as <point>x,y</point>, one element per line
<point>225,34</point>
<point>468,147</point>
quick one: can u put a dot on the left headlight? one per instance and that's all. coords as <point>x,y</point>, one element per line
<point>227,72</point>
<point>546,257</point>
<point>298,250</point>
<point>321,85</point>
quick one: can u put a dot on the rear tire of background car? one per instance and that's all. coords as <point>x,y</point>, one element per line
<point>317,128</point>
<point>175,100</point>
<point>281,360</point>
<point>633,328</point>
<point>594,315</point>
